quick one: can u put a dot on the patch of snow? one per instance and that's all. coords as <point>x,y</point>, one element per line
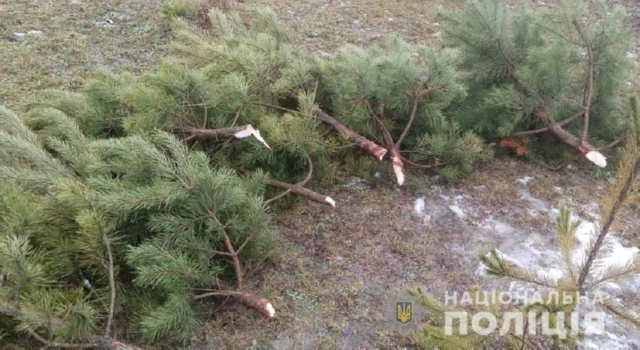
<point>458,211</point>
<point>502,228</point>
<point>536,203</point>
<point>618,257</point>
<point>551,274</point>
<point>525,180</point>
<point>585,233</point>
<point>418,206</point>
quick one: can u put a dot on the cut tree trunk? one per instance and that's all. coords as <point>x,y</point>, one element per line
<point>369,146</point>
<point>590,152</point>
<point>239,132</point>
<point>305,192</point>
<point>247,298</point>
<point>255,302</point>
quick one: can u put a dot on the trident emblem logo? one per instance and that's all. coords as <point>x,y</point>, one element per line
<point>404,312</point>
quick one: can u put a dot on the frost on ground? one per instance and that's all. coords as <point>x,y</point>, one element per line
<point>535,249</point>
<point>340,271</point>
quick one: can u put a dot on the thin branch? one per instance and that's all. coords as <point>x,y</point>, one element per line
<point>378,117</point>
<point>613,143</point>
<point>417,165</point>
<point>609,220</point>
<point>48,344</point>
<point>545,129</point>
<point>112,286</point>
<point>234,256</point>
<point>362,142</point>
<point>301,183</point>
<point>419,93</point>
<point>215,293</point>
<point>371,147</point>
<point>303,192</point>
<point>247,298</point>
<point>588,44</point>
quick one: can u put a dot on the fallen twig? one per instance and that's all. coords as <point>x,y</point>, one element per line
<point>302,191</point>
<point>301,183</point>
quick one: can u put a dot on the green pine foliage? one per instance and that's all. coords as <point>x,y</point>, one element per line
<point>528,67</point>
<point>358,82</point>
<point>227,82</point>
<point>579,276</point>
<point>153,212</point>
<point>252,73</point>
<point>110,210</point>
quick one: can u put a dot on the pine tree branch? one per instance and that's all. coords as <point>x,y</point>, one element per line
<point>613,143</point>
<point>543,114</point>
<point>301,183</point>
<point>396,157</point>
<point>545,129</point>
<point>362,142</point>
<point>604,231</point>
<point>302,191</point>
<point>105,341</point>
<point>238,132</point>
<point>49,344</point>
<point>590,82</point>
<point>623,273</point>
<point>249,299</point>
<point>417,95</point>
<point>234,256</point>
<point>623,314</point>
<point>369,146</point>
<point>418,165</point>
<point>112,287</point>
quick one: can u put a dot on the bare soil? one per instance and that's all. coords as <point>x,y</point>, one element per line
<point>340,272</point>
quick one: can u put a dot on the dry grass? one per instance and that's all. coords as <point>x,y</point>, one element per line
<point>64,41</point>
<point>324,25</point>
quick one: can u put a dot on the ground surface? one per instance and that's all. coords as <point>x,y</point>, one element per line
<point>57,44</point>
<point>339,272</point>
<point>342,271</point>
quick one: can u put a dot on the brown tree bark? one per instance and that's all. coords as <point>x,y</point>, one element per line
<point>362,142</point>
<point>238,132</point>
<point>305,192</point>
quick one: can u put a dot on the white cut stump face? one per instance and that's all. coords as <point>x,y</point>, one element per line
<point>597,158</point>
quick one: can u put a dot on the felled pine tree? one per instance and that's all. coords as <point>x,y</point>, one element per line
<point>217,90</point>
<point>252,74</point>
<point>96,232</point>
<point>585,267</point>
<point>560,69</point>
<point>397,95</point>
